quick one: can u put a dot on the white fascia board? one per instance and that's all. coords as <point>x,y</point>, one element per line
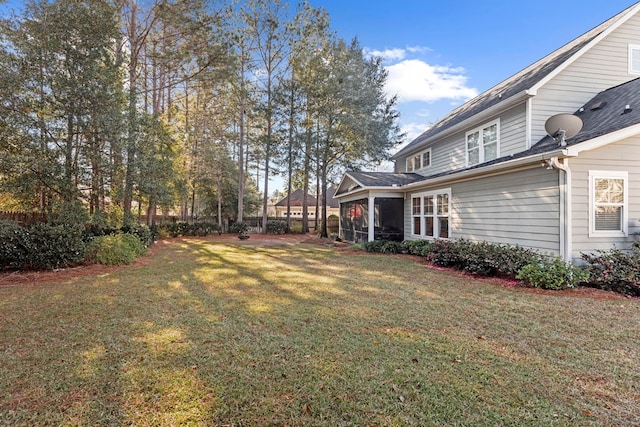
<point>502,167</point>
<point>471,122</point>
<point>603,140</point>
<point>363,193</point>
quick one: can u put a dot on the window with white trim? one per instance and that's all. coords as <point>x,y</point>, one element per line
<point>419,161</point>
<point>634,59</point>
<point>608,205</point>
<point>483,143</point>
<point>430,214</point>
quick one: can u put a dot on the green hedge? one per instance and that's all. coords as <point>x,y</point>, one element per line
<point>13,245</point>
<point>615,270</point>
<point>276,226</point>
<point>491,260</point>
<point>115,249</point>
<point>41,247</point>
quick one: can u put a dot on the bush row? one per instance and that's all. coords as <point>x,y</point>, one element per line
<point>184,229</point>
<point>45,246</point>
<point>615,270</point>
<point>612,270</point>
<point>41,246</point>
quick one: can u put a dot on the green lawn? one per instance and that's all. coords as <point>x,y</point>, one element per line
<point>218,333</point>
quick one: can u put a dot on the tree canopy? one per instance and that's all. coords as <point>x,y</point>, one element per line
<point>135,107</point>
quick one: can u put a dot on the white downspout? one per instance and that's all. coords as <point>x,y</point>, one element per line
<point>566,214</point>
<point>372,218</point>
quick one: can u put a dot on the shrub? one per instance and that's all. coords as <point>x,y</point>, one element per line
<point>615,270</point>
<point>13,239</point>
<point>115,249</point>
<point>239,227</point>
<point>418,247</point>
<point>552,273</point>
<point>51,246</point>
<point>373,246</point>
<point>276,226</point>
<point>392,247</point>
<point>490,259</point>
<point>445,253</point>
<point>142,232</point>
<point>296,228</point>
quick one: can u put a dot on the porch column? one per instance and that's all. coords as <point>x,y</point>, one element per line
<point>372,219</point>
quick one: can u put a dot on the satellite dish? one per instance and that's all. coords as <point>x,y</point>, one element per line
<point>562,126</point>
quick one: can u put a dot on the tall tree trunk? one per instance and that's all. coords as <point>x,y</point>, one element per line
<point>323,230</point>
<point>306,178</point>
<point>132,115</point>
<point>290,159</point>
<point>241,165</point>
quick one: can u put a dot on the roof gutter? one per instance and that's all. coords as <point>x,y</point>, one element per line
<point>498,168</point>
<point>470,122</point>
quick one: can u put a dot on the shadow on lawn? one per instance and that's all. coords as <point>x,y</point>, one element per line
<point>218,333</point>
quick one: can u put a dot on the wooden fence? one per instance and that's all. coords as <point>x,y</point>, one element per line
<point>23,218</point>
<point>28,218</point>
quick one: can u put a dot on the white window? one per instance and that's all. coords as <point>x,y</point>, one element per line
<point>634,59</point>
<point>430,214</point>
<point>419,161</point>
<point>483,144</point>
<point>608,208</point>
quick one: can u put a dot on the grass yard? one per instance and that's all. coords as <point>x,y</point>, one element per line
<point>216,332</point>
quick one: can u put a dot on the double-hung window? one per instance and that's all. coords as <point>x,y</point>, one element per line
<point>430,214</point>
<point>482,144</point>
<point>608,205</point>
<point>419,161</point>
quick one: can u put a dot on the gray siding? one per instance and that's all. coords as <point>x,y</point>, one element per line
<point>517,208</point>
<point>605,65</point>
<point>619,156</point>
<point>449,153</point>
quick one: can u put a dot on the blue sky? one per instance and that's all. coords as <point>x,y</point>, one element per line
<point>442,53</point>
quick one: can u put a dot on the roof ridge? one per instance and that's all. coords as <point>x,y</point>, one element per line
<point>537,68</point>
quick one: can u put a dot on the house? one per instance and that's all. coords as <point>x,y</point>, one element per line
<point>489,171</point>
<point>297,198</point>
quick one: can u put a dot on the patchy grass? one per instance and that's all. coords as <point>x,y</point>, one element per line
<point>208,332</point>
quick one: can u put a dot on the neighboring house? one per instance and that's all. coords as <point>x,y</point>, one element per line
<point>489,171</point>
<point>297,198</point>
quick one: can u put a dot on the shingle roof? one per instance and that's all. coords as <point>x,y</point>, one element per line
<point>606,112</point>
<point>603,114</point>
<point>385,179</point>
<point>516,84</point>
<point>296,199</point>
<point>331,202</point>
<point>378,179</point>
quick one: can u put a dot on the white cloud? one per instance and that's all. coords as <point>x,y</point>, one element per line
<point>413,130</point>
<point>415,80</point>
<point>396,54</point>
<point>418,49</point>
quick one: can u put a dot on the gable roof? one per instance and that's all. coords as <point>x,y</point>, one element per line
<point>296,199</point>
<point>523,84</point>
<point>331,202</point>
<point>604,114</point>
<point>361,180</point>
